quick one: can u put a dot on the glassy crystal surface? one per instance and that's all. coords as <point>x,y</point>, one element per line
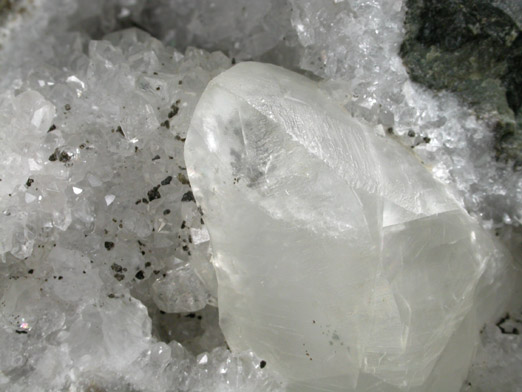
<point>340,260</point>
<point>97,211</point>
<point>105,280</point>
<point>179,290</point>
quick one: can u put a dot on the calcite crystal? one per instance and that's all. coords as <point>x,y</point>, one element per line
<point>340,260</point>
<point>101,241</point>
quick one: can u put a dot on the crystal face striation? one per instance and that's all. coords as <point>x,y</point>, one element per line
<point>340,260</point>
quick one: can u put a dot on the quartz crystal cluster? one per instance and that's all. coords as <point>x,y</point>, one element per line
<point>106,274</point>
<point>106,283</point>
<point>339,258</point>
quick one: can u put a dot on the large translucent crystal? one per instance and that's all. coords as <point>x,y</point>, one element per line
<point>340,260</point>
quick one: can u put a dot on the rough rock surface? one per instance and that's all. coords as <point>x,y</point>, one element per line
<point>474,49</point>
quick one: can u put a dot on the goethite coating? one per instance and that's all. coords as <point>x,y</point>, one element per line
<point>340,260</point>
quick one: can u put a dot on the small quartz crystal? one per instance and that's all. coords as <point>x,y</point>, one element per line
<point>179,290</point>
<point>340,260</point>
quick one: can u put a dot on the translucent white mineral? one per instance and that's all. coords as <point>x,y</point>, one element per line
<point>104,271</point>
<point>340,260</point>
<point>96,206</point>
<point>497,364</point>
<point>179,290</point>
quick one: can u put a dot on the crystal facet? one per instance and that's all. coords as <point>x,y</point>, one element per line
<point>340,260</point>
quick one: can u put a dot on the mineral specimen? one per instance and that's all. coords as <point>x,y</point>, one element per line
<point>100,237</point>
<point>340,260</point>
<point>103,253</point>
<point>358,42</point>
<point>497,364</point>
<point>445,48</point>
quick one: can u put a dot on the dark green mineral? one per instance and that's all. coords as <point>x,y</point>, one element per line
<point>473,49</point>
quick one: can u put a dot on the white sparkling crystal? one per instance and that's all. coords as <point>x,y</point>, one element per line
<point>499,358</point>
<point>199,235</point>
<point>109,199</point>
<point>80,257</point>
<point>179,290</point>
<point>340,260</point>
